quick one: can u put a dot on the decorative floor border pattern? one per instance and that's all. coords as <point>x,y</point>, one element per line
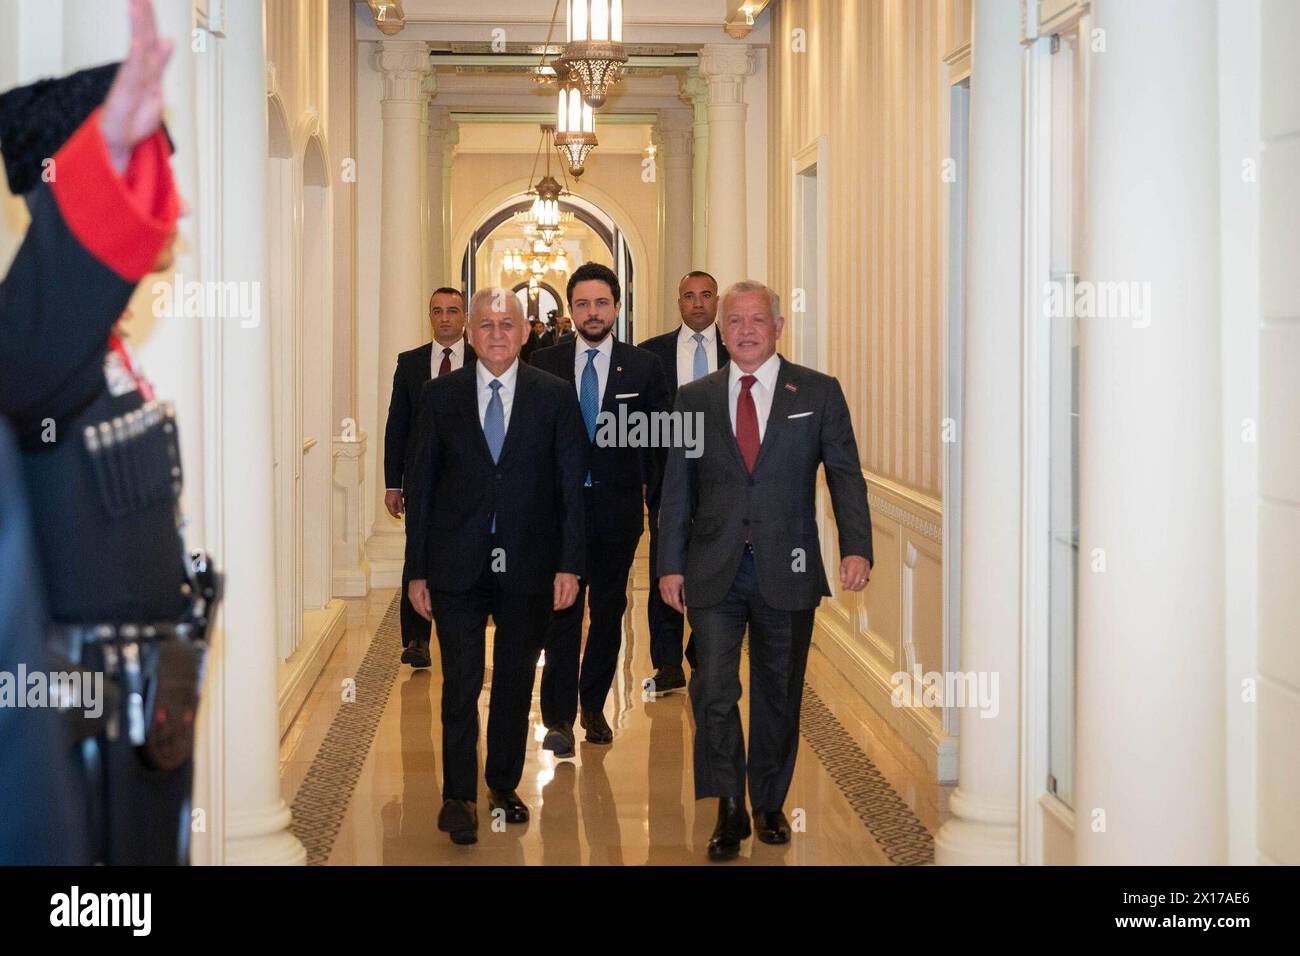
<point>324,794</point>
<point>323,797</point>
<point>890,821</point>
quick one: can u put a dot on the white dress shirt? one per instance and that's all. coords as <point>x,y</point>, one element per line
<point>762,390</point>
<point>686,351</point>
<point>457,356</point>
<point>605,352</point>
<point>507,390</point>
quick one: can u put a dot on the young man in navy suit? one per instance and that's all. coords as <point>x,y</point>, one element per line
<point>614,382</point>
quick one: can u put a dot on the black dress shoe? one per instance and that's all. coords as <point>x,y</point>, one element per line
<point>732,827</point>
<point>460,819</point>
<point>516,810</point>
<point>668,678</point>
<point>559,739</point>
<point>772,827</point>
<point>597,727</point>
<point>417,654</point>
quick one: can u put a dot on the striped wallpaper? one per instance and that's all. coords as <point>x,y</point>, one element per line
<point>871,79</point>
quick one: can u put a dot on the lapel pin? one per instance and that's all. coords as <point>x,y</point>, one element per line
<point>789,387</point>
<point>618,368</point>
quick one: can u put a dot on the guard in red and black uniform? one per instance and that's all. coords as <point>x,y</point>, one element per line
<point>99,454</point>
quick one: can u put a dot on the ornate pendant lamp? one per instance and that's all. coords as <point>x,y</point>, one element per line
<point>594,53</point>
<point>575,134</point>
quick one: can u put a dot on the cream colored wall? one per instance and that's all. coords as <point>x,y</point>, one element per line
<point>872,82</point>
<point>476,177</point>
<point>1279,437</point>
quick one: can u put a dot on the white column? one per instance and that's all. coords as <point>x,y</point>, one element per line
<point>982,828</point>
<point>439,123</point>
<point>724,67</point>
<point>674,162</point>
<point>256,818</point>
<point>1150,749</point>
<point>402,316</point>
<point>450,256</point>
<point>696,92</point>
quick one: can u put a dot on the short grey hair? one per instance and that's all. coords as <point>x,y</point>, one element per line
<point>751,285</point>
<point>513,304</point>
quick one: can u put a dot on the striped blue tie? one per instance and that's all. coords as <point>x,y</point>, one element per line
<point>494,428</point>
<point>701,368</point>
<point>589,398</point>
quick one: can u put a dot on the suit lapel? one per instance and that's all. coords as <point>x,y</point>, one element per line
<point>723,355</point>
<point>614,382</point>
<point>721,408</point>
<point>782,400</point>
<point>468,401</point>
<point>569,350</point>
<point>520,412</point>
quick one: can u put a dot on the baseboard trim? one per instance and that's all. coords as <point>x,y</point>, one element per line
<point>321,632</point>
<point>938,750</point>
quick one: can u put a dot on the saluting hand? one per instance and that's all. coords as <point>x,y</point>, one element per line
<point>134,106</point>
<point>855,572</point>
<point>566,590</point>
<point>672,588</point>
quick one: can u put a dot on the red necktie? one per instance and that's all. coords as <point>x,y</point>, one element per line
<point>747,422</point>
<point>445,367</point>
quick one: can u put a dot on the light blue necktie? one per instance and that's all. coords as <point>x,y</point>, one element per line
<point>701,358</point>
<point>589,398</point>
<point>494,428</point>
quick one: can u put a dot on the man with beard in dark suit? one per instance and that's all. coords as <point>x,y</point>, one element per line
<point>739,545</point>
<point>494,527</point>
<point>447,352</point>
<point>614,382</point>
<point>690,351</point>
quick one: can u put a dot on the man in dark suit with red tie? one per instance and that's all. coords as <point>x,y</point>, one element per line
<point>447,352</point>
<point>494,527</point>
<point>690,351</point>
<point>738,545</point>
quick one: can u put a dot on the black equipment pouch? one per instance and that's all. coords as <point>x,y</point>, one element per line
<point>172,704</point>
<point>172,697</point>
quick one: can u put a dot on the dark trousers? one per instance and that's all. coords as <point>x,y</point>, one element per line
<point>563,682</point>
<point>666,624</point>
<point>520,621</point>
<point>778,655</point>
<point>414,627</point>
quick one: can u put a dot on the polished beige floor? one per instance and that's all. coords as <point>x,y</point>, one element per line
<point>628,803</point>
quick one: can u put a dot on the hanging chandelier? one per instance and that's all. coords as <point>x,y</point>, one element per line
<point>575,135</point>
<point>594,54</point>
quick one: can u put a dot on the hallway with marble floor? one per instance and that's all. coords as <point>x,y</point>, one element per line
<point>363,776</point>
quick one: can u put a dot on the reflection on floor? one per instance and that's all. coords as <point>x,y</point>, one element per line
<point>361,768</point>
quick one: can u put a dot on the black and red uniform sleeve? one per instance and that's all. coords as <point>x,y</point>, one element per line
<point>94,235</point>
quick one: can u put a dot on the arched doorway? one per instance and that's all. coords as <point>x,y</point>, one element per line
<point>601,241</point>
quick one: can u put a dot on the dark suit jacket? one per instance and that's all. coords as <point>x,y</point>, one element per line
<point>710,502</point>
<point>412,371</point>
<point>453,488</point>
<point>617,473</point>
<point>665,347</point>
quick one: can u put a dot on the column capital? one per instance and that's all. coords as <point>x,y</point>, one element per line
<point>724,66</point>
<point>675,132</point>
<point>405,65</point>
<point>693,89</point>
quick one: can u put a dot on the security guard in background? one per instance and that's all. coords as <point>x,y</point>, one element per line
<point>99,454</point>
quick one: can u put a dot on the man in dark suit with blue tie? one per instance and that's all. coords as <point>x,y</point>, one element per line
<point>739,545</point>
<point>494,527</point>
<point>690,351</point>
<point>614,381</point>
<point>447,352</point>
